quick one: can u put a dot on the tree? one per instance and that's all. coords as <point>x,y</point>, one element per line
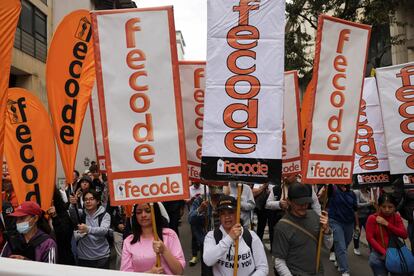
<point>300,13</point>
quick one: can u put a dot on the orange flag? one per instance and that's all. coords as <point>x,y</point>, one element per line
<point>30,148</point>
<point>9,17</point>
<point>70,75</point>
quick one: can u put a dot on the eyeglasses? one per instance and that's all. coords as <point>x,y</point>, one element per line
<point>89,198</point>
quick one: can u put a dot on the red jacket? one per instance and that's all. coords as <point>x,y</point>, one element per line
<point>395,226</point>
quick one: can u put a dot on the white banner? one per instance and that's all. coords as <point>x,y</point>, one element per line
<point>193,85</point>
<point>395,87</point>
<point>370,149</point>
<point>97,129</point>
<point>140,102</point>
<point>292,146</point>
<point>339,68</point>
<point>242,135</point>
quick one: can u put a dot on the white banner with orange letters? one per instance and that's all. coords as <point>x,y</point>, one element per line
<point>30,148</point>
<point>97,129</point>
<point>371,157</point>
<point>140,104</point>
<point>339,68</point>
<point>395,86</point>
<point>70,75</point>
<point>193,83</point>
<point>292,145</point>
<point>242,134</point>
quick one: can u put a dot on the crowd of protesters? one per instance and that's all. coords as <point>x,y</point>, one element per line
<point>82,228</point>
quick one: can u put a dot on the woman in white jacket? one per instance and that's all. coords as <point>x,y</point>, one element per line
<point>219,245</point>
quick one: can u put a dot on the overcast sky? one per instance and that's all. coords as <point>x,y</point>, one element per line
<point>191,19</point>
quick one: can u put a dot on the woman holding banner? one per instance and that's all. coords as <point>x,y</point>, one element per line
<point>140,249</point>
<point>219,245</point>
<point>379,228</point>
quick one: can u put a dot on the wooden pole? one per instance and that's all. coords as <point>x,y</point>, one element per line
<point>154,230</point>
<point>236,243</point>
<point>323,207</point>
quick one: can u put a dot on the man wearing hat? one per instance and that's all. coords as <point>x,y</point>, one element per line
<point>296,234</point>
<point>219,245</point>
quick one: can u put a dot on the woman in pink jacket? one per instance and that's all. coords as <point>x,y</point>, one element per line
<point>140,248</point>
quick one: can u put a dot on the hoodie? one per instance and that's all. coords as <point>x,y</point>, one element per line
<point>94,245</point>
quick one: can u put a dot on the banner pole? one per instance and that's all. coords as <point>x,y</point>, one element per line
<point>236,243</point>
<point>323,207</point>
<point>154,230</point>
<point>207,218</point>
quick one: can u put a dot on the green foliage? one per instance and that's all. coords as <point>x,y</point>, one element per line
<point>378,13</point>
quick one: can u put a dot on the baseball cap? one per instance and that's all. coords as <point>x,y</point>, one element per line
<point>27,208</point>
<point>300,193</point>
<point>227,203</point>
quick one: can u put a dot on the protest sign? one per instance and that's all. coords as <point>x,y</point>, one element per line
<point>292,143</point>
<point>339,68</point>
<point>97,129</point>
<point>140,105</point>
<point>242,132</point>
<point>371,158</point>
<point>70,75</point>
<point>30,148</point>
<point>395,87</point>
<point>193,83</point>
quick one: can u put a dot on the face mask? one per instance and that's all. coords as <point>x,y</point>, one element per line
<point>23,227</point>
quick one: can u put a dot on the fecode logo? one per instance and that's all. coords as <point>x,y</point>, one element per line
<point>290,167</point>
<point>227,167</point>
<point>199,109</point>
<point>373,178</point>
<point>130,190</point>
<point>405,94</point>
<point>29,173</point>
<point>242,140</point>
<point>83,33</point>
<point>321,171</point>
<point>139,102</point>
<point>337,98</point>
<point>368,160</point>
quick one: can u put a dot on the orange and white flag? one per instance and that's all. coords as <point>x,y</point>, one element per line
<point>30,148</point>
<point>70,75</point>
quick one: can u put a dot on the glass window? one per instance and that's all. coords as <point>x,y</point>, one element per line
<point>26,17</point>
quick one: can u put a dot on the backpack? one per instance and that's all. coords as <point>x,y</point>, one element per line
<point>218,236</point>
<point>109,235</point>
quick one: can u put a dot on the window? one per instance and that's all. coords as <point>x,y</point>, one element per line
<point>31,33</point>
<point>44,2</point>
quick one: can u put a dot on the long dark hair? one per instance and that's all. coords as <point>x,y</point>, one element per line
<point>160,222</point>
<point>43,224</point>
<point>386,197</point>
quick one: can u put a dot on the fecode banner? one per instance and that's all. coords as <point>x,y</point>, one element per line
<point>339,68</point>
<point>193,83</point>
<point>9,17</point>
<point>371,158</point>
<point>140,105</point>
<point>30,148</point>
<point>395,87</point>
<point>97,129</point>
<point>70,75</point>
<point>292,145</point>
<point>242,135</point>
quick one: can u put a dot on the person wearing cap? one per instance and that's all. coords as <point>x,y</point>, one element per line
<point>140,248</point>
<point>33,241</point>
<point>296,234</point>
<point>219,253</point>
<point>203,216</point>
